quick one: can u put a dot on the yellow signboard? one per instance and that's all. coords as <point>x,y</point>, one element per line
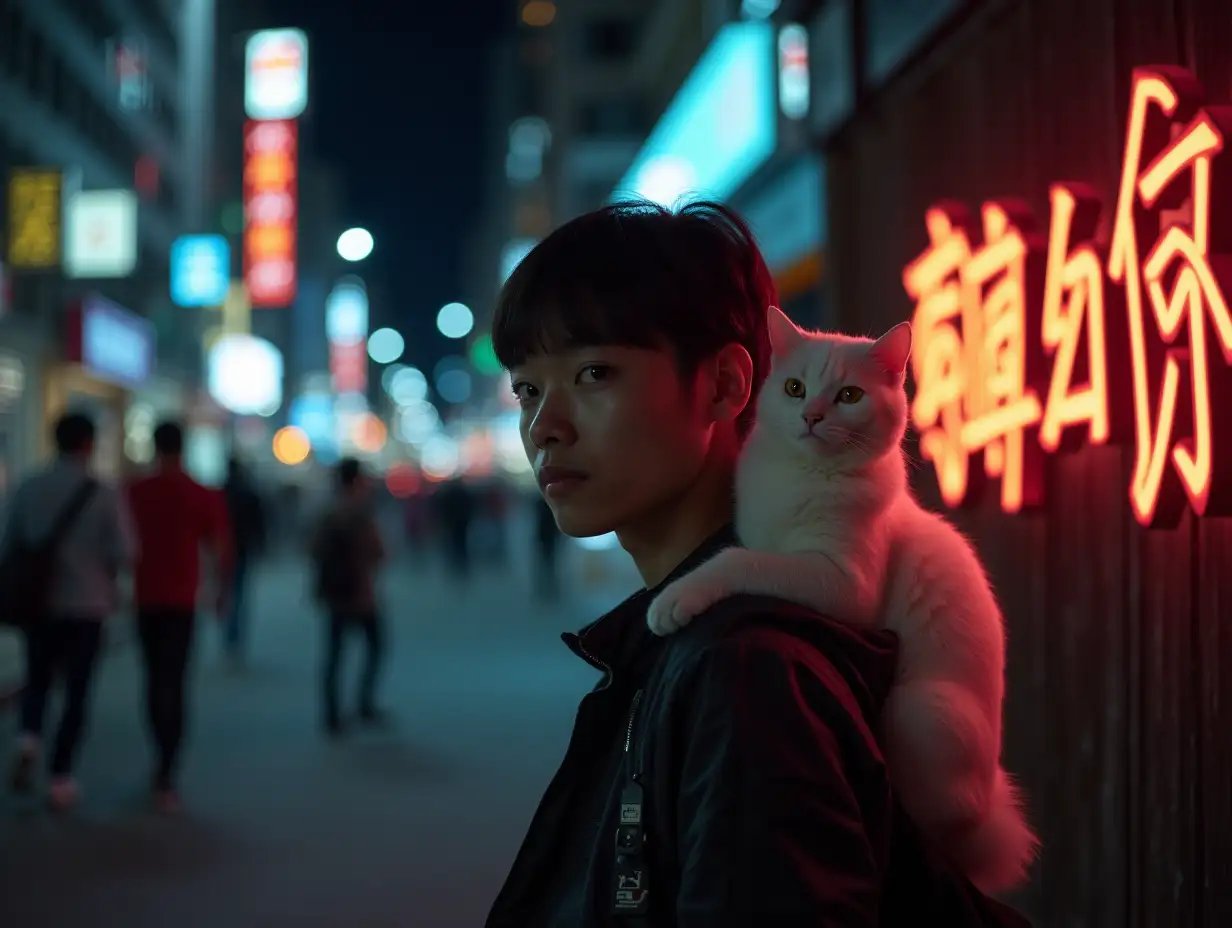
<point>34,235</point>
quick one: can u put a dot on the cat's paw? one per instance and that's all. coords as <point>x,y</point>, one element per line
<point>680,604</point>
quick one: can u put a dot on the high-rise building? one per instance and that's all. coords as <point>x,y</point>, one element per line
<point>97,97</point>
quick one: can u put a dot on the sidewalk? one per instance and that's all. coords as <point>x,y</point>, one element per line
<point>413,825</point>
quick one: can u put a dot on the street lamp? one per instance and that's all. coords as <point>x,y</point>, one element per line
<point>355,244</point>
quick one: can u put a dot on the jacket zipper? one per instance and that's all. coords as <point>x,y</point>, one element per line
<point>595,662</point>
<point>637,698</point>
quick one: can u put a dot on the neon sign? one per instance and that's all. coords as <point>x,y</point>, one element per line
<point>1034,341</point>
<point>270,212</point>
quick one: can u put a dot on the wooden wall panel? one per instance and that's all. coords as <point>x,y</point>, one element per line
<point>1119,701</point>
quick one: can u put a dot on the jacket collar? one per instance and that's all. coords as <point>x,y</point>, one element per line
<point>619,640</point>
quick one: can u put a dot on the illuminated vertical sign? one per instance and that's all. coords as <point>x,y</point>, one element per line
<point>346,327</point>
<point>34,220</point>
<point>270,212</point>
<point>276,74</point>
<point>794,81</point>
<point>1127,329</point>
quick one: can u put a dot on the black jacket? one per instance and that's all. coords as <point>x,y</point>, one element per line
<point>734,764</point>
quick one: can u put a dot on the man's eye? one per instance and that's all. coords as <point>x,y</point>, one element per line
<point>593,373</point>
<point>524,391</point>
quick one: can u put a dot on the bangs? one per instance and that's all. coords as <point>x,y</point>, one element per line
<point>587,284</point>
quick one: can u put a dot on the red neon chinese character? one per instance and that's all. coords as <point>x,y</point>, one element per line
<point>1180,283</point>
<point>1074,304</point>
<point>939,360</point>
<point>1000,288</point>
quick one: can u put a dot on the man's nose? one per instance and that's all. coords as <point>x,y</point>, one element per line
<point>552,424</point>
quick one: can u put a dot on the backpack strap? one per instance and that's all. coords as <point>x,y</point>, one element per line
<point>69,515</point>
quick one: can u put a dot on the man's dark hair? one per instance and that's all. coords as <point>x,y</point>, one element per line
<point>74,433</point>
<point>639,275</point>
<point>349,473</point>
<point>169,439</point>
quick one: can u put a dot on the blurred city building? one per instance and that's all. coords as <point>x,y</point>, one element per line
<point>666,101</point>
<point>93,104</point>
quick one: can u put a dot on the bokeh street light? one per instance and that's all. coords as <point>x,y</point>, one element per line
<point>455,320</point>
<point>355,244</point>
<point>385,346</point>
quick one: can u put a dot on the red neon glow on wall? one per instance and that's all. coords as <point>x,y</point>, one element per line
<point>986,316</point>
<point>270,212</point>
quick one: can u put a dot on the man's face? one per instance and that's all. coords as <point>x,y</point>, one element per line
<point>613,433</point>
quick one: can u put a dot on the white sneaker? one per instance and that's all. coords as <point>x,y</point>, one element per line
<point>63,793</point>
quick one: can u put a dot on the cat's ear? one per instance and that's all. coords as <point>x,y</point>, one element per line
<point>785,335</point>
<point>893,350</point>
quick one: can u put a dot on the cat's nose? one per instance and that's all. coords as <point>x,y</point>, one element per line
<point>812,418</point>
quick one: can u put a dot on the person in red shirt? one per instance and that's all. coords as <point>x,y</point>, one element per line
<point>175,517</point>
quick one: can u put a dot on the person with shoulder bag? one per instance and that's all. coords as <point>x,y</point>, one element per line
<point>67,540</point>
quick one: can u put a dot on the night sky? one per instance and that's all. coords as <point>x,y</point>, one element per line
<point>399,103</point>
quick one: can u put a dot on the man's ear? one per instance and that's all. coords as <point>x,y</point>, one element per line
<point>732,382</point>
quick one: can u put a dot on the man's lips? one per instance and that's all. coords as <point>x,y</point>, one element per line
<point>551,475</point>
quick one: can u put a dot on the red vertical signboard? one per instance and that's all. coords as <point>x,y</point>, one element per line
<point>270,212</point>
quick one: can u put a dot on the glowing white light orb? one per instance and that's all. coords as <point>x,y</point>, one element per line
<point>355,244</point>
<point>245,375</point>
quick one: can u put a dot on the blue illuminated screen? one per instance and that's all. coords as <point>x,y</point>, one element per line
<point>721,127</point>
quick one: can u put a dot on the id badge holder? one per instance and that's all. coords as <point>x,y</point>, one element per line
<point>631,889</point>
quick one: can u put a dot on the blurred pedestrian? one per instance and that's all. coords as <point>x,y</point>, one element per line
<point>547,547</point>
<point>67,539</point>
<point>347,552</point>
<point>175,518</point>
<point>248,538</point>
<point>456,505</point>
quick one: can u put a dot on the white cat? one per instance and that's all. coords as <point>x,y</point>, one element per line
<point>824,507</point>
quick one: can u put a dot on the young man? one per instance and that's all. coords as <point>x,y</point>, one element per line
<point>347,551</point>
<point>175,518</point>
<point>728,775</point>
<point>96,545</point>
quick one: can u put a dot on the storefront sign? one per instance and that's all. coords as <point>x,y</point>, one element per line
<point>111,343</point>
<point>1028,342</point>
<point>276,76</point>
<point>721,127</point>
<point>100,235</point>
<point>200,270</point>
<point>270,212</point>
<point>34,219</point>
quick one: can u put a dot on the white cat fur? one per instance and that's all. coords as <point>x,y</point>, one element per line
<point>829,521</point>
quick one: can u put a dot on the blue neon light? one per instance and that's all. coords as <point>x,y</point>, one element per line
<point>200,270</point>
<point>721,127</point>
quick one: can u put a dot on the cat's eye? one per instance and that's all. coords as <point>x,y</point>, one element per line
<point>794,388</point>
<point>849,395</point>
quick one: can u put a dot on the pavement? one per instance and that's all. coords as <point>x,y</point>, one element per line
<point>412,826</point>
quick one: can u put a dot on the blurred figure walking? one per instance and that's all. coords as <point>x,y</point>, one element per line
<point>456,505</point>
<point>547,547</point>
<point>77,533</point>
<point>175,518</point>
<point>246,512</point>
<point>347,552</point>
